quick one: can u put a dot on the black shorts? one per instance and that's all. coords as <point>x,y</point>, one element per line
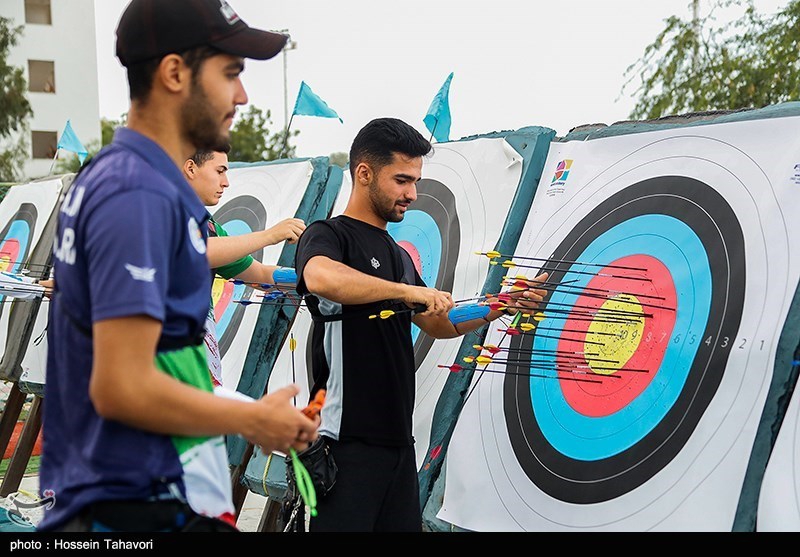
<point>377,490</point>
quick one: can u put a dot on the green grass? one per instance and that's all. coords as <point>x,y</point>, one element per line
<point>32,468</point>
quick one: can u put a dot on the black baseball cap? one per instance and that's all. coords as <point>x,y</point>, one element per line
<point>154,28</point>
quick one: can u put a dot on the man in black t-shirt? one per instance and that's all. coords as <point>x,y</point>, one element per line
<point>349,267</point>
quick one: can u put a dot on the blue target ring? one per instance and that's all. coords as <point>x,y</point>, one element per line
<point>233,228</point>
<point>431,224</point>
<point>690,229</point>
<point>241,215</point>
<point>419,229</point>
<point>20,230</point>
<point>677,246</point>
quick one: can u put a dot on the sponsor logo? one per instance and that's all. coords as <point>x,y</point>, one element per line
<point>560,177</point>
<point>375,263</point>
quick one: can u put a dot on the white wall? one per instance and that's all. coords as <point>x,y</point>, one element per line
<point>70,43</point>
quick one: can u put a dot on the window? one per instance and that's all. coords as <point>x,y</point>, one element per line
<point>38,11</point>
<point>42,76</point>
<point>44,144</point>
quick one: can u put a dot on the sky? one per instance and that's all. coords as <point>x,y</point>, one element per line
<point>516,63</point>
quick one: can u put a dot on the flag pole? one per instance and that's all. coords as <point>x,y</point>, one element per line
<point>286,138</point>
<point>433,131</point>
<point>52,164</point>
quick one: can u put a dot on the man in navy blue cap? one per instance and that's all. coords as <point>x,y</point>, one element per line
<point>133,436</point>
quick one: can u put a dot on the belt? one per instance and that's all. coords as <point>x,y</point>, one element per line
<point>149,516</point>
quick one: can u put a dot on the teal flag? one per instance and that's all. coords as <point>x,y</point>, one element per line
<point>437,120</point>
<point>309,104</point>
<point>70,142</point>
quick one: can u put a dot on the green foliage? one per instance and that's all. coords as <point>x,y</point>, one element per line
<point>14,106</point>
<point>251,140</point>
<point>339,159</point>
<point>108,127</point>
<point>749,62</point>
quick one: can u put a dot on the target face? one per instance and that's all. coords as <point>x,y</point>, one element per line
<point>242,215</point>
<point>664,357</point>
<point>15,241</point>
<point>23,213</point>
<point>430,232</point>
<point>631,401</point>
<point>259,197</point>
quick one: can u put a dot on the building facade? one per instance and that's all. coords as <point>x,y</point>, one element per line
<point>58,53</point>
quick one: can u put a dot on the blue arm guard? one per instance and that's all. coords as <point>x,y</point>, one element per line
<point>467,312</point>
<point>284,275</point>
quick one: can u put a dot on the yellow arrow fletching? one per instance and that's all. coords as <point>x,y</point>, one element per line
<point>483,360</point>
<point>508,263</point>
<point>539,316</point>
<point>527,326</point>
<point>468,359</point>
<point>292,344</point>
<point>492,254</point>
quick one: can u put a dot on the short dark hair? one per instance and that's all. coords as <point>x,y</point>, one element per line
<point>140,75</point>
<point>202,156</point>
<point>378,141</point>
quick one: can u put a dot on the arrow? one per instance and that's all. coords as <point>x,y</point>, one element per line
<point>496,254</point>
<point>509,263</point>
<point>455,368</point>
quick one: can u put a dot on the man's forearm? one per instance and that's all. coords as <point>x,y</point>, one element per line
<point>342,284</point>
<point>223,250</point>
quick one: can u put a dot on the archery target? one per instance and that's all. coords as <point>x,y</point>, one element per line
<point>242,215</point>
<point>259,196</point>
<point>23,213</point>
<point>15,242</point>
<point>431,234</point>
<point>633,404</point>
<point>463,200</point>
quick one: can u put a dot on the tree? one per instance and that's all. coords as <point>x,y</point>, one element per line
<point>251,140</point>
<point>700,65</point>
<point>107,128</point>
<point>14,107</point>
<point>339,158</point>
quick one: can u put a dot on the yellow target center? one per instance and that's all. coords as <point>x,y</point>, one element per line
<point>617,327</point>
<point>217,288</point>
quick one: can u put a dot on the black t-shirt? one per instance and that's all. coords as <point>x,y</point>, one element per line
<point>366,365</point>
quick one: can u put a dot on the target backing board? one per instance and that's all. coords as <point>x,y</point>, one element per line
<point>463,199</point>
<point>24,212</point>
<point>259,196</point>
<point>779,496</point>
<point>633,402</point>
